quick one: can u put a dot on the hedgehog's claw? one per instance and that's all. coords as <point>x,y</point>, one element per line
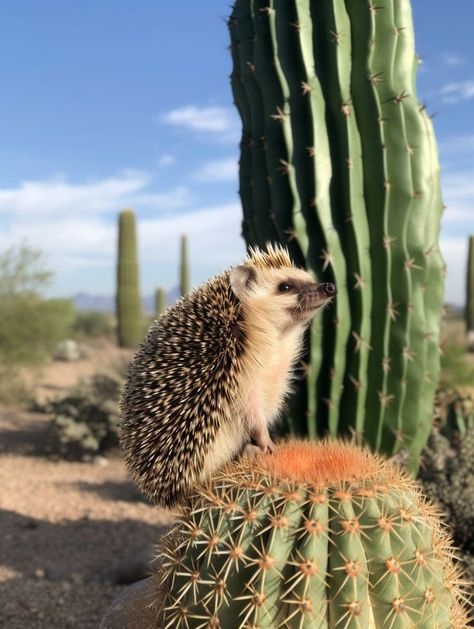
<point>270,447</point>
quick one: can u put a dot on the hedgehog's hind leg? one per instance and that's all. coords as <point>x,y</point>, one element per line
<point>261,437</point>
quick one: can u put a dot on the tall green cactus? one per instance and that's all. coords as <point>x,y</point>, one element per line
<point>184,267</point>
<point>311,537</point>
<point>128,303</point>
<point>470,295</point>
<point>160,301</point>
<point>339,163</point>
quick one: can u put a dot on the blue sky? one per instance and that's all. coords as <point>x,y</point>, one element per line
<point>117,103</point>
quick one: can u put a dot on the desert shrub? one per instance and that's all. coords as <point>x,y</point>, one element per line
<point>86,419</point>
<point>93,324</point>
<point>456,369</point>
<point>30,325</point>
<point>13,389</point>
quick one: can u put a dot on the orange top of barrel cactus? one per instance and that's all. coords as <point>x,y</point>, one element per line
<point>316,463</point>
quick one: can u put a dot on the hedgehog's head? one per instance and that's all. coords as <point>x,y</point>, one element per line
<point>269,284</point>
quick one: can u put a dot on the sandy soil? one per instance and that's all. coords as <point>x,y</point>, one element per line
<point>70,533</point>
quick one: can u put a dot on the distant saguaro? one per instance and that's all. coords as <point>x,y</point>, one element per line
<point>160,301</point>
<point>470,295</point>
<point>128,304</point>
<point>184,267</point>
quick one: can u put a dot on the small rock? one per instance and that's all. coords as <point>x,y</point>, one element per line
<point>101,461</point>
<point>76,578</point>
<point>67,350</point>
<point>39,573</point>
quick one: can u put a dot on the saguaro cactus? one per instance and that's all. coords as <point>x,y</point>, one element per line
<point>470,295</point>
<point>128,303</point>
<point>312,537</point>
<point>160,301</point>
<point>339,163</point>
<point>184,267</point>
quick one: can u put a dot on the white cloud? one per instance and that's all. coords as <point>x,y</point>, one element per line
<point>454,60</point>
<point>75,226</point>
<point>59,196</point>
<point>218,170</point>
<point>214,244</point>
<point>166,160</point>
<point>220,123</point>
<point>458,91</point>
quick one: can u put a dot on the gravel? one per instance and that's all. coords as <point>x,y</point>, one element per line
<point>71,534</point>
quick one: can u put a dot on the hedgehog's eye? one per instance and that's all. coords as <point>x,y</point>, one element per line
<point>284,287</point>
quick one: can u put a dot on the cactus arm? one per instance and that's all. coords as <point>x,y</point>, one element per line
<point>333,39</point>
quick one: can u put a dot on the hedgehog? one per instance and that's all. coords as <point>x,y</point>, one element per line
<point>213,371</point>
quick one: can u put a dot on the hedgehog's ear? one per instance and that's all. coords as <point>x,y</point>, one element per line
<point>241,278</point>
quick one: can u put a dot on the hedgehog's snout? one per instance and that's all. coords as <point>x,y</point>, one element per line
<point>327,288</point>
<point>315,295</point>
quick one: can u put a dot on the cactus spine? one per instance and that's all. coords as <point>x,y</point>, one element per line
<point>470,295</point>
<point>313,537</point>
<point>339,163</point>
<point>184,267</point>
<point>160,301</point>
<point>128,304</point>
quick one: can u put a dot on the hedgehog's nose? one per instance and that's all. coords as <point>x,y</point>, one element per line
<point>328,288</point>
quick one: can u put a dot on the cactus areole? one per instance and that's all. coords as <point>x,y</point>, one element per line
<point>316,536</point>
<point>339,163</point>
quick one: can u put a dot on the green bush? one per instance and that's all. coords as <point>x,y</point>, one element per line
<point>93,324</point>
<point>456,369</point>
<point>30,325</point>
<point>86,419</point>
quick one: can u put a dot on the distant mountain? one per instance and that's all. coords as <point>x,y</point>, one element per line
<point>106,303</point>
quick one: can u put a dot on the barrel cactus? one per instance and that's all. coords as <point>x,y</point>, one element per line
<point>313,536</point>
<point>339,163</point>
<point>128,304</point>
